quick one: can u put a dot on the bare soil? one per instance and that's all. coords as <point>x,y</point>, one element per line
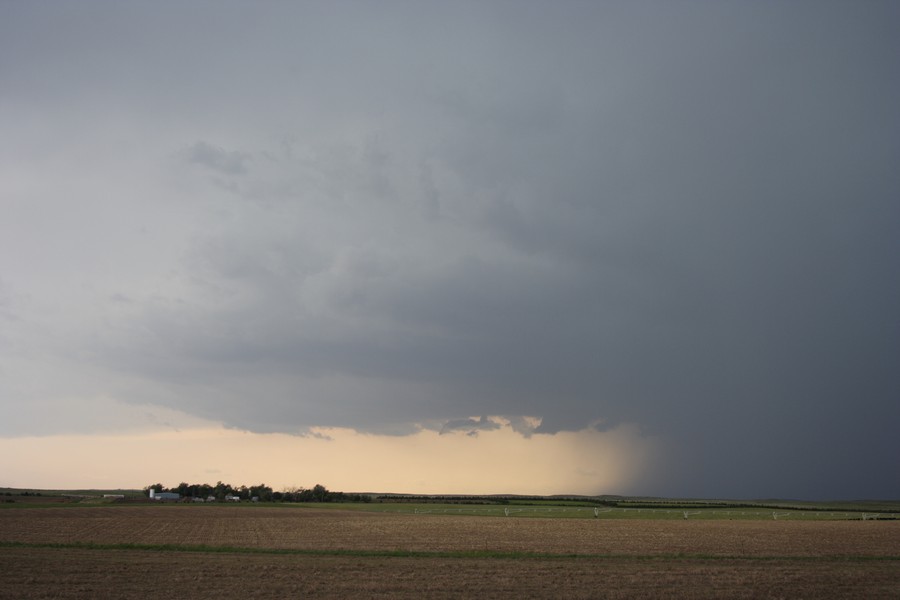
<point>590,558</point>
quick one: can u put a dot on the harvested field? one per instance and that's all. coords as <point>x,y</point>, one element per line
<point>62,573</point>
<point>310,529</point>
<point>134,551</point>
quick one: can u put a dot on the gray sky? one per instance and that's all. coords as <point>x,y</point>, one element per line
<point>396,217</point>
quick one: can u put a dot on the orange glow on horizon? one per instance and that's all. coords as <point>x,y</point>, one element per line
<point>427,462</point>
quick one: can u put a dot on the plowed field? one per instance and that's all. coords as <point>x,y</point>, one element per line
<point>207,552</point>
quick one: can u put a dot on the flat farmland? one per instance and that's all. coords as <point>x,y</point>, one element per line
<point>211,551</point>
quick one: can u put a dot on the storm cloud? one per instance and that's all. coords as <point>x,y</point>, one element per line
<point>400,218</point>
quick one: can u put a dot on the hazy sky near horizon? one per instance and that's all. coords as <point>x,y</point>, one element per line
<point>530,247</point>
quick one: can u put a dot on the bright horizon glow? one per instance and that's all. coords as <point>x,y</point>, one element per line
<point>428,462</point>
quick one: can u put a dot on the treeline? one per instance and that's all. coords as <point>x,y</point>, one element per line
<point>261,493</point>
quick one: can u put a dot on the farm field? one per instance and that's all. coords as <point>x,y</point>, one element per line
<point>211,551</point>
<point>559,510</point>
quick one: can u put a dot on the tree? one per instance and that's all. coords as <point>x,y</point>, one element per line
<point>320,493</point>
<point>291,494</point>
<point>221,490</point>
<point>261,491</point>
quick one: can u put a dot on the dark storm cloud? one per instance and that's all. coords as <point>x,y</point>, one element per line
<point>676,215</point>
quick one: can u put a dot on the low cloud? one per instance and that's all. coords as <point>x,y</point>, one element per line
<point>218,159</point>
<point>523,425</point>
<point>469,426</point>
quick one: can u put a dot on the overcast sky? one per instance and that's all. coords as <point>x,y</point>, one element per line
<point>620,247</point>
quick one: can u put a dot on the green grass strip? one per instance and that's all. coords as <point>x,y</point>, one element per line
<point>472,554</point>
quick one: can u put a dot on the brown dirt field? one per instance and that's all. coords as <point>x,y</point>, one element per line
<point>32,573</point>
<point>726,559</point>
<point>310,529</point>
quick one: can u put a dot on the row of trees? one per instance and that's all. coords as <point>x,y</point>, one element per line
<point>318,493</point>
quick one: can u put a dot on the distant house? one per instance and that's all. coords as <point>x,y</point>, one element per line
<point>230,498</point>
<point>154,495</point>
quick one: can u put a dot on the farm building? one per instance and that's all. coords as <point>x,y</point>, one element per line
<point>154,495</point>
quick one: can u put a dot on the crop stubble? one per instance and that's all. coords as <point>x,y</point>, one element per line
<point>575,558</point>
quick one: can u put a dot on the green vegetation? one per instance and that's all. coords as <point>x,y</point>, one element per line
<point>36,493</point>
<point>481,554</point>
<point>600,507</point>
<point>12,497</point>
<point>542,510</point>
<point>635,508</point>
